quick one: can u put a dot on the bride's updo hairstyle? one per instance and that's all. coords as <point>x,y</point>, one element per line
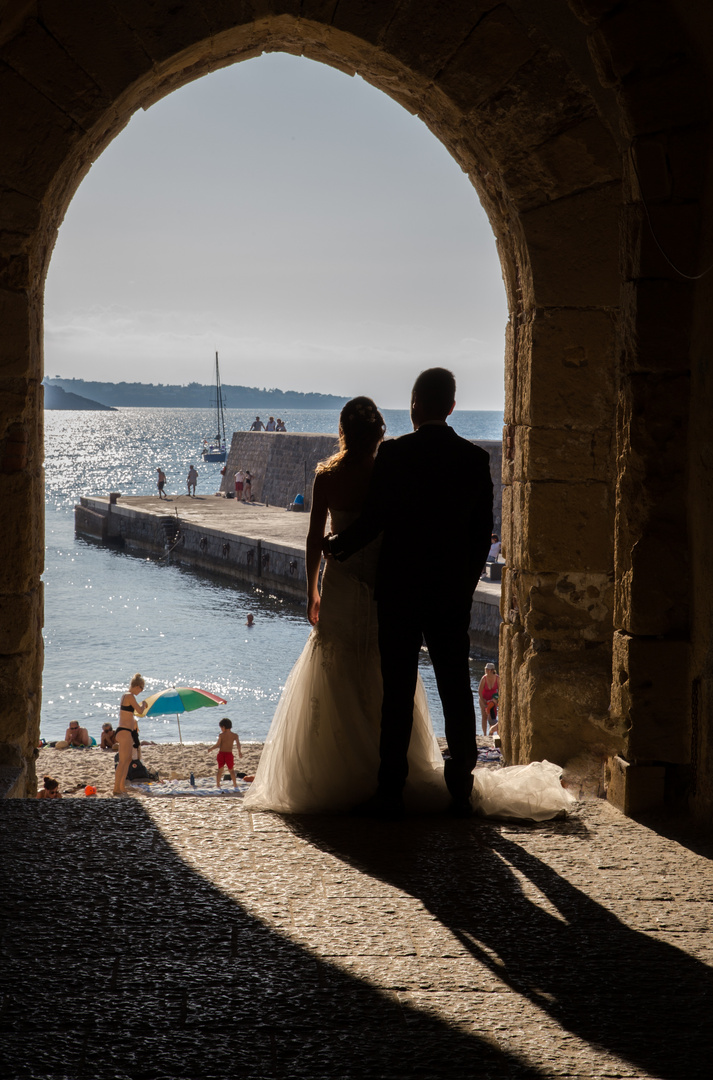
<point>361,429</point>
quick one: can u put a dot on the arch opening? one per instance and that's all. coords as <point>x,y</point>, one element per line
<point>524,104</point>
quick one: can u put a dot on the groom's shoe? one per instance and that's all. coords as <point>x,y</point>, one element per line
<point>461,808</point>
<point>381,807</point>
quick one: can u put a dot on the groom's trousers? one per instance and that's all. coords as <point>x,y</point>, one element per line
<point>403,625</point>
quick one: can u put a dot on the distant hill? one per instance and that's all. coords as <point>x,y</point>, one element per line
<point>57,398</point>
<point>192,396</point>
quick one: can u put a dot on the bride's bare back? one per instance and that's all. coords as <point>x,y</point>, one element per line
<point>342,488</point>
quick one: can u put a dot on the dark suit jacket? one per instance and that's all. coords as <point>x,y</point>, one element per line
<point>432,497</point>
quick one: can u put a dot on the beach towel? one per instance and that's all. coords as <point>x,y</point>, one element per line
<point>204,788</point>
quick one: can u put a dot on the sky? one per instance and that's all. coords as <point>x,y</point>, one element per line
<point>296,220</point>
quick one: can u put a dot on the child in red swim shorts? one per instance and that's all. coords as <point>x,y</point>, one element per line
<point>224,746</point>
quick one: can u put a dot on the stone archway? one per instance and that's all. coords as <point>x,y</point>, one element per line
<point>538,105</point>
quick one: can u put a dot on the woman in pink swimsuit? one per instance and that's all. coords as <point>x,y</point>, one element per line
<point>488,694</point>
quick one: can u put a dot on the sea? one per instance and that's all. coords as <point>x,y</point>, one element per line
<point>109,614</point>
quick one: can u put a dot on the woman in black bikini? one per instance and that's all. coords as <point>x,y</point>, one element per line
<point>127,733</point>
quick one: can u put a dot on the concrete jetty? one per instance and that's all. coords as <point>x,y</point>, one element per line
<point>260,545</point>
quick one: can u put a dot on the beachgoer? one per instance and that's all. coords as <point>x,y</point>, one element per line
<point>239,484</point>
<point>250,621</point>
<point>108,739</point>
<point>50,789</point>
<point>270,425</point>
<point>127,733</point>
<point>426,576</point>
<point>248,487</point>
<point>160,484</point>
<point>493,553</point>
<point>76,735</point>
<point>192,480</point>
<point>257,425</point>
<point>280,425</point>
<point>322,752</point>
<point>488,688</point>
<point>224,746</point>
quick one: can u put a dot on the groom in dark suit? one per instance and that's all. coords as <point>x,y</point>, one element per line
<point>432,498</point>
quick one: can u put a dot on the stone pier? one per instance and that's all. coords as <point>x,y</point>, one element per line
<point>262,546</point>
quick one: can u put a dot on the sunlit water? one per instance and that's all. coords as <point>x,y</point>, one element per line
<point>108,615</point>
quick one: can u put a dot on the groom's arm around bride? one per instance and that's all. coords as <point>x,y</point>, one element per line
<point>431,497</point>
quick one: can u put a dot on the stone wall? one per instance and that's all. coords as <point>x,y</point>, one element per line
<point>282,465</point>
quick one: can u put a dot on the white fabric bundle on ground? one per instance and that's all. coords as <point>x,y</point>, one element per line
<point>529,791</point>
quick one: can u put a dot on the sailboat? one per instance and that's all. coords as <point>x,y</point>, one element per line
<point>214,447</point>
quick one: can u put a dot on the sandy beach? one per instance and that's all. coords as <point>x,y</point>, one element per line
<point>76,769</point>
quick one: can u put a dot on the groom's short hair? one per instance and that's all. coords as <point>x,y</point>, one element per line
<point>435,390</point>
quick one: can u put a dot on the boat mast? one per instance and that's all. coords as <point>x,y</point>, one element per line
<point>219,405</point>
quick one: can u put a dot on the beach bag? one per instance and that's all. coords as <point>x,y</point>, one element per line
<point>532,792</point>
<point>137,771</point>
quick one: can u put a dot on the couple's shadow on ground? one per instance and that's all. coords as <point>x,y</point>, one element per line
<point>617,988</point>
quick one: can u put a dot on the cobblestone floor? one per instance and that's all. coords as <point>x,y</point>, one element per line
<point>179,939</point>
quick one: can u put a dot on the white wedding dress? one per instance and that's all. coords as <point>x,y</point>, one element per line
<point>322,751</point>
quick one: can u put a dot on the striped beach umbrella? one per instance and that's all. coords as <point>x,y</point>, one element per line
<point>180,699</point>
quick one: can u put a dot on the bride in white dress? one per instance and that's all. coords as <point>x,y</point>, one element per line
<point>322,751</point>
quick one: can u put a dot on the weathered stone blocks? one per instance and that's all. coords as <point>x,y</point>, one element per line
<point>673,227</point>
<point>23,521</point>
<point>634,789</point>
<point>36,135</point>
<point>561,527</point>
<point>582,156</point>
<point>561,704</point>
<point>565,376</point>
<point>573,248</point>
<point>487,61</point>
<point>565,456</point>
<point>652,315</point>
<point>651,698</point>
<point>20,622</point>
<point>38,57</point>
<point>565,611</point>
<point>17,361</point>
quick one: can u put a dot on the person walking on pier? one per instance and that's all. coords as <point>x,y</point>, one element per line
<point>425,580</point>
<point>239,484</point>
<point>257,425</point>
<point>192,480</point>
<point>161,483</point>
